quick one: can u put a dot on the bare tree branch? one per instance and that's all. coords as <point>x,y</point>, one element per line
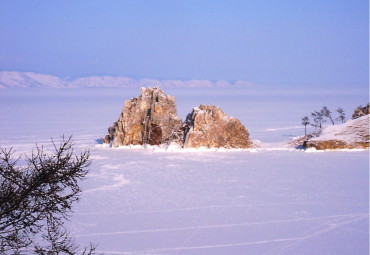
<point>37,198</point>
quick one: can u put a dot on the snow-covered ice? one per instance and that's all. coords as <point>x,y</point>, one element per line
<point>170,201</point>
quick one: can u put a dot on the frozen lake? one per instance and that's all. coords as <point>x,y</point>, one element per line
<point>144,201</point>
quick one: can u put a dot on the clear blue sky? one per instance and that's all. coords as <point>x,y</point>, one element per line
<point>272,43</point>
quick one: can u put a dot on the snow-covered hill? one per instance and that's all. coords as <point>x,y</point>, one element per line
<point>351,134</point>
<point>30,80</point>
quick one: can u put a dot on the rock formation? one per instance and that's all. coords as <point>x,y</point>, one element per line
<point>352,134</point>
<point>361,111</point>
<point>208,126</point>
<point>150,118</point>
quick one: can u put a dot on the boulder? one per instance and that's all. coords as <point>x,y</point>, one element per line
<point>353,134</point>
<point>208,126</point>
<point>150,119</point>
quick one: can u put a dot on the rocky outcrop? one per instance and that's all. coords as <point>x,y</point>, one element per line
<point>150,118</point>
<point>353,134</point>
<point>361,111</point>
<point>208,126</point>
<point>300,142</point>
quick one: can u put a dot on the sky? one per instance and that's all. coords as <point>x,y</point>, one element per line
<point>301,43</point>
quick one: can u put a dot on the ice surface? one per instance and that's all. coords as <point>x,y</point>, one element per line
<point>158,201</point>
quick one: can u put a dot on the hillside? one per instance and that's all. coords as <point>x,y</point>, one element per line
<point>352,134</point>
<point>29,80</point>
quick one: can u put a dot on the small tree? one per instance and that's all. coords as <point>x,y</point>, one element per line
<point>318,118</point>
<point>342,115</point>
<point>305,122</point>
<point>327,113</point>
<point>36,198</point>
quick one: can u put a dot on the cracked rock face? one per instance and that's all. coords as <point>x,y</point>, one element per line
<point>208,126</point>
<point>150,119</point>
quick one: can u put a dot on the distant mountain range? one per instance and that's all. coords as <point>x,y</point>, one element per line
<point>34,80</point>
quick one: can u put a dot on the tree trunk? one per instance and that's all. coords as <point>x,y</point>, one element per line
<point>331,120</point>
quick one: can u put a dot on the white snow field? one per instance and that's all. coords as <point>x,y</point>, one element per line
<point>273,200</point>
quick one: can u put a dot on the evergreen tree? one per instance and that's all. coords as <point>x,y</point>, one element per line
<point>327,113</point>
<point>342,115</point>
<point>318,118</point>
<point>305,122</point>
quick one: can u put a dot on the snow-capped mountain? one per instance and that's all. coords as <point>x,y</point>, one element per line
<point>31,80</point>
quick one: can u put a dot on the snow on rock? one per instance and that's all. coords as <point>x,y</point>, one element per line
<point>151,119</point>
<point>208,126</point>
<point>361,111</point>
<point>353,134</point>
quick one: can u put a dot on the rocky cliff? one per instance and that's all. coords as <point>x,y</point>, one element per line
<point>152,119</point>
<point>208,126</point>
